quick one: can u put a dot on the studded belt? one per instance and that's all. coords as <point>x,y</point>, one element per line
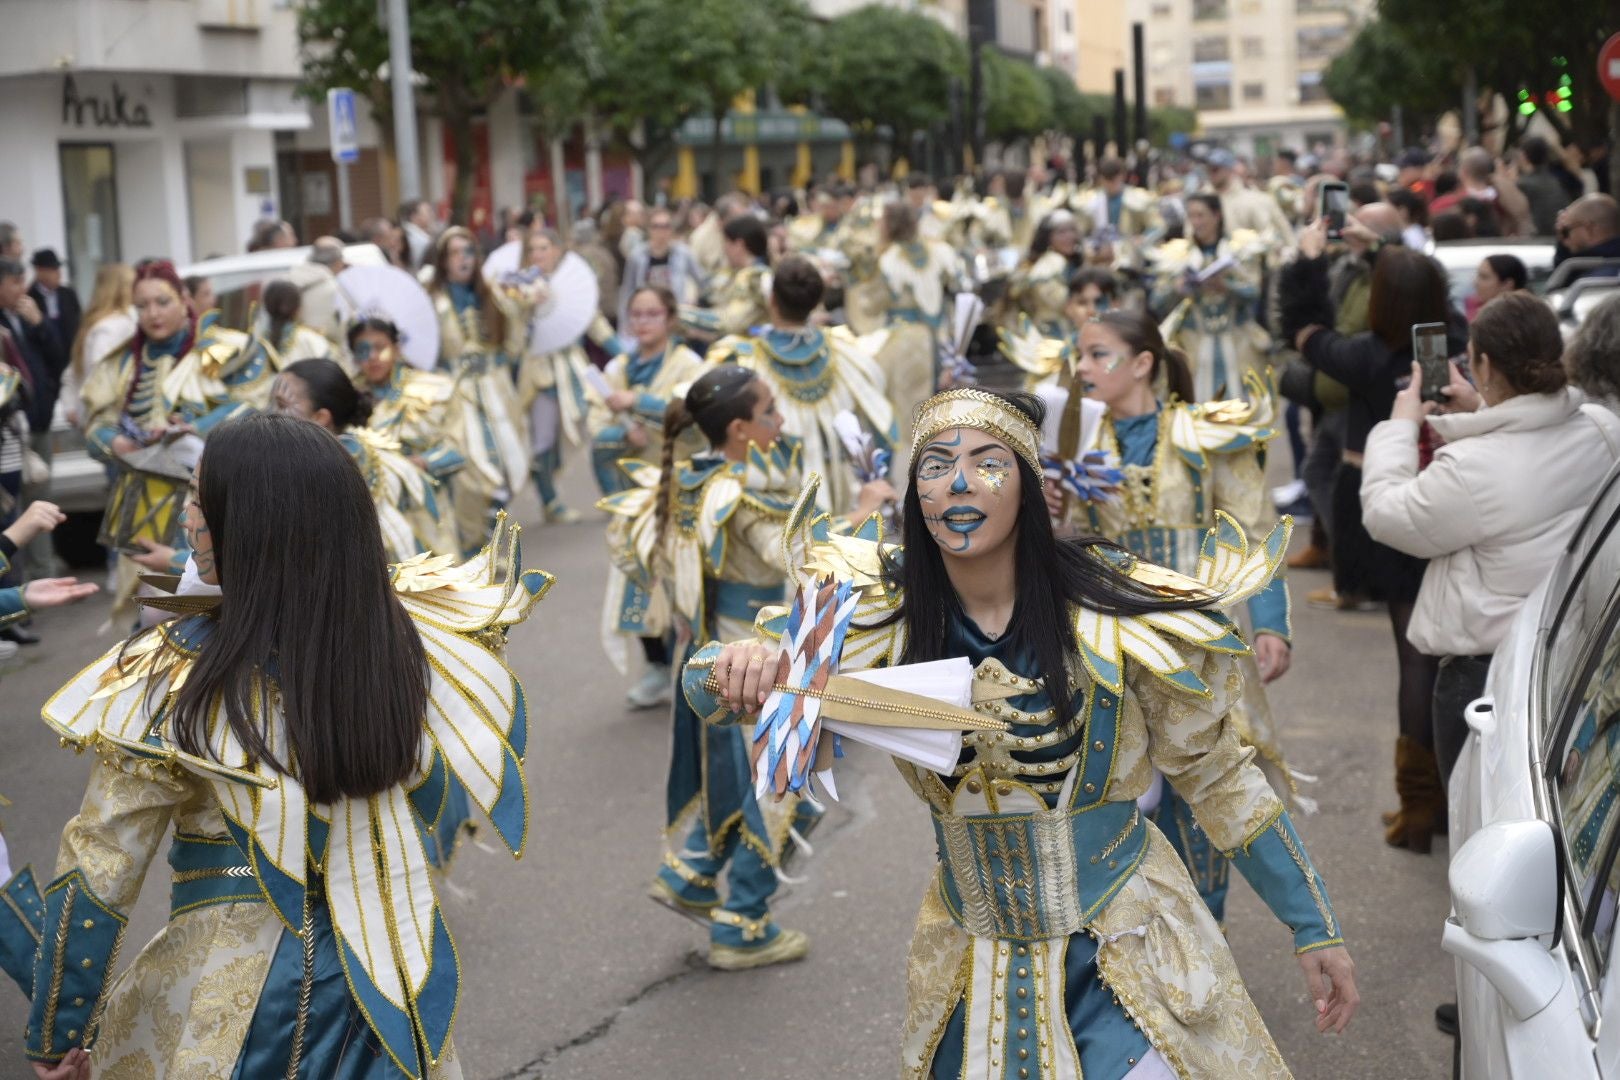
<point>1034,876</point>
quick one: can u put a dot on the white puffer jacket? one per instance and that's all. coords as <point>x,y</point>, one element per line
<point>1490,512</point>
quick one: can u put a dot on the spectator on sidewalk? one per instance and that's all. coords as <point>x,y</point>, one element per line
<point>1497,502</point>
<point>57,300</point>
<point>1546,195</point>
<point>661,262</point>
<point>421,226</point>
<point>1589,228</point>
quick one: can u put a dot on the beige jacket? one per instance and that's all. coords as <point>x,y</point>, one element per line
<point>1490,512</point>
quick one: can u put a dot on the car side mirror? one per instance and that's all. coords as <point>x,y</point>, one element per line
<point>1504,889</point>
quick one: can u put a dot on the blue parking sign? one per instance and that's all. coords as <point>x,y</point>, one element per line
<point>343,125</point>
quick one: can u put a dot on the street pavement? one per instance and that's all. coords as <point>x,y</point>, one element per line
<point>570,973</point>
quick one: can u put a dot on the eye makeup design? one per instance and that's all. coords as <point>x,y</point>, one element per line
<point>993,474</point>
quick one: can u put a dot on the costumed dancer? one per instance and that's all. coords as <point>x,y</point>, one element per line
<point>551,387</point>
<point>416,409</point>
<point>921,276</point>
<point>304,936</point>
<point>178,375</point>
<point>814,375</point>
<point>277,327</point>
<point>741,301</point>
<point>1061,936</point>
<point>1045,361</point>
<point>1116,219</point>
<point>1040,286</point>
<point>481,335</point>
<point>628,426</point>
<point>1183,465</point>
<point>1205,293</point>
<point>708,531</point>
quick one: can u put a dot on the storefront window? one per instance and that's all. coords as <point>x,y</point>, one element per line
<point>90,209</point>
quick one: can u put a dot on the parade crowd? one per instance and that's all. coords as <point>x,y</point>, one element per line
<point>1033,418</point>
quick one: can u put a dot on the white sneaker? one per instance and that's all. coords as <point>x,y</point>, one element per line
<point>654,689</point>
<point>1288,494</point>
<point>9,651</point>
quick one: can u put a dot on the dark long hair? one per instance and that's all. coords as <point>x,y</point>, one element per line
<point>1141,334</point>
<point>492,320</point>
<point>329,387</point>
<point>308,604</point>
<point>722,394</point>
<point>1408,287</point>
<point>1053,577</point>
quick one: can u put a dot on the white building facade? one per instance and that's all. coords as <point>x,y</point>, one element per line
<point>144,128</point>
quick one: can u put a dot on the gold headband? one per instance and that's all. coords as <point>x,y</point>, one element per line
<point>983,412</point>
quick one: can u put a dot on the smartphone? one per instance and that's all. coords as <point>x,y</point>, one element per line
<point>1333,205</point>
<point>1429,350</point>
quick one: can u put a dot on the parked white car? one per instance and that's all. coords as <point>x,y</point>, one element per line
<point>1461,258</point>
<point>1535,824</point>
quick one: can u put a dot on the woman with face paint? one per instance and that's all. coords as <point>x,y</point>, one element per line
<point>296,732</point>
<point>1062,936</point>
<point>1205,293</point>
<point>1183,464</point>
<point>417,409</point>
<point>481,336</point>
<point>551,387</point>
<point>179,374</point>
<point>708,533</point>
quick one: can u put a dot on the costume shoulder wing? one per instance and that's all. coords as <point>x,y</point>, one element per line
<point>1224,427</point>
<point>1032,351</point>
<point>1229,572</point>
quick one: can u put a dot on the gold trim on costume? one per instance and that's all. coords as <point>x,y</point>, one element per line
<point>982,411</point>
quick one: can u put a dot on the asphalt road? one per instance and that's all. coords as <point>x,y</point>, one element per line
<point>571,974</point>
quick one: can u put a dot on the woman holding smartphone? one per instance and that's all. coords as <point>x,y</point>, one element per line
<point>1521,459</point>
<point>1408,289</point>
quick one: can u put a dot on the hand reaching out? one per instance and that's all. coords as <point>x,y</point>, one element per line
<point>40,517</point>
<point>52,592</point>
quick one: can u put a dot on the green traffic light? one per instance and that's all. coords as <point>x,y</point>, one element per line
<point>1565,106</point>
<point>1527,108</point>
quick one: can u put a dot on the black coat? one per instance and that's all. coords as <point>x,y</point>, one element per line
<point>1372,371</point>
<point>69,314</point>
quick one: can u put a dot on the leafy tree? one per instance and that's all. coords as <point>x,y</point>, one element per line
<point>464,52</point>
<point>1071,110</point>
<point>1018,101</point>
<point>1428,49</point>
<point>724,48</point>
<point>879,67</point>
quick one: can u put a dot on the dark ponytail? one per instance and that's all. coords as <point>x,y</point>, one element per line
<point>721,395</point>
<point>1141,334</point>
<point>331,389</point>
<point>280,300</point>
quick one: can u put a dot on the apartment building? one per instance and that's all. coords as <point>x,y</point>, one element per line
<point>1252,68</point>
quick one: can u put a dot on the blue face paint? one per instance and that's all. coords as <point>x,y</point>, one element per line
<point>959,486</point>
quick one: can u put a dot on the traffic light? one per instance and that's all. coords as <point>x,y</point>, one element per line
<point>1526,106</point>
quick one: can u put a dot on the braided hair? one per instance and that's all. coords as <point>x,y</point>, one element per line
<point>721,395</point>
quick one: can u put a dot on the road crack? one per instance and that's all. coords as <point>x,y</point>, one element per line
<point>530,1070</point>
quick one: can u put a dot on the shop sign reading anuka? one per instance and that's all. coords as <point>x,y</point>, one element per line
<point>111,109</point>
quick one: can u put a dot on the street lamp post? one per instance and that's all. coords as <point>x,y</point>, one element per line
<point>399,71</point>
